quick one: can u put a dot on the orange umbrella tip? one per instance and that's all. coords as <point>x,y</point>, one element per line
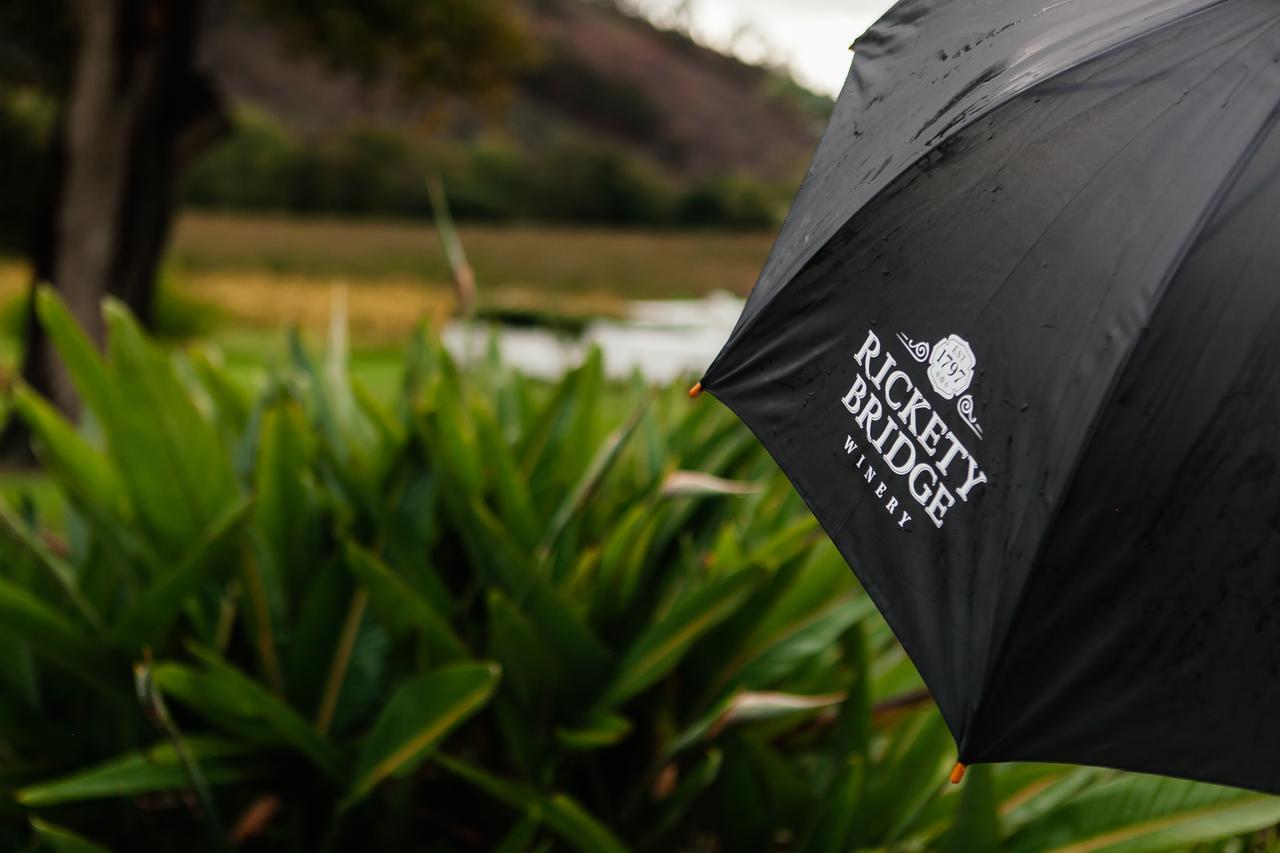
<point>695,392</point>
<point>957,774</point>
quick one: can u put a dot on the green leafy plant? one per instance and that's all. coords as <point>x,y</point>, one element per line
<point>486,614</point>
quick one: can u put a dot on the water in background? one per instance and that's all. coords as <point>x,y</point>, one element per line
<point>664,340</point>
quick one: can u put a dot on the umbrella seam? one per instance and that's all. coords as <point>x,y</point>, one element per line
<point>1210,211</point>
<point>934,144</point>
<point>994,646</point>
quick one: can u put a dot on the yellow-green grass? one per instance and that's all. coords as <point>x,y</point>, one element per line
<point>536,260</point>
<point>262,273</point>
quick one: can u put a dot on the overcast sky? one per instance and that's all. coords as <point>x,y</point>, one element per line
<point>811,36</point>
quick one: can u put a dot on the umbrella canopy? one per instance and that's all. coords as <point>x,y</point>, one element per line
<point>1018,348</point>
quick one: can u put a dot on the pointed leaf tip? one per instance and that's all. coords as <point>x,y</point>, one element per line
<point>45,294</point>
<point>116,311</point>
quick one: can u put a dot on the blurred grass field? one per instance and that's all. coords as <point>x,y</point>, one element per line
<point>232,275</point>
<point>237,281</point>
<point>593,268</point>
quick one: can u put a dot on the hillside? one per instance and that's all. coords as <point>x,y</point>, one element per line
<point>598,74</point>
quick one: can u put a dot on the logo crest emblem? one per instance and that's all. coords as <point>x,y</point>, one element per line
<point>951,367</point>
<point>951,364</point>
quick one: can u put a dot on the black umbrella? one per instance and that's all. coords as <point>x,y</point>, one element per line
<point>1018,348</point>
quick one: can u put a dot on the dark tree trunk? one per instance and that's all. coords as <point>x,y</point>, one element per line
<point>138,112</point>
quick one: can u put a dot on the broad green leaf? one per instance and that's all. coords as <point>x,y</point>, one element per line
<point>420,714</point>
<point>657,651</point>
<point>916,764</point>
<point>230,402</point>
<point>839,808</point>
<point>411,528</point>
<point>582,654</point>
<point>19,683</point>
<point>603,461</point>
<point>538,435</point>
<point>285,511</point>
<point>560,813</point>
<point>1023,801</point>
<point>564,423</point>
<point>80,468</point>
<point>524,742</point>
<point>148,771</point>
<point>63,575</point>
<point>783,791</point>
<point>598,731</point>
<point>422,355</point>
<point>798,642</point>
<point>51,635</point>
<point>391,432</point>
<point>893,673</point>
<point>511,490</point>
<point>62,840</point>
<point>314,632</point>
<point>174,465</point>
<point>229,710</point>
<point>521,836</point>
<point>653,454</point>
<point>224,695</point>
<point>79,356</point>
<point>89,478</point>
<point>450,435</point>
<point>787,543</point>
<point>529,668</point>
<point>1143,814</point>
<point>623,562</point>
<point>364,682</point>
<point>401,606</point>
<point>1018,790</point>
<point>509,393</point>
<point>853,726</point>
<point>342,427</point>
<point>153,614</point>
<point>742,637</point>
<point>745,805</point>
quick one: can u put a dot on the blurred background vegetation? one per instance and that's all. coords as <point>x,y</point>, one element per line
<point>586,152</point>
<point>304,545</point>
<point>598,121</point>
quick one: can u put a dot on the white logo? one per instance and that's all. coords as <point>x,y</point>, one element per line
<point>899,443</point>
<point>951,367</point>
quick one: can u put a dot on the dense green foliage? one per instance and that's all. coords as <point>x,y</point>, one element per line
<point>366,171</point>
<point>485,615</point>
<point>371,171</point>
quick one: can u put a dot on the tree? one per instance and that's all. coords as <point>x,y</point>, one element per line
<point>136,109</point>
